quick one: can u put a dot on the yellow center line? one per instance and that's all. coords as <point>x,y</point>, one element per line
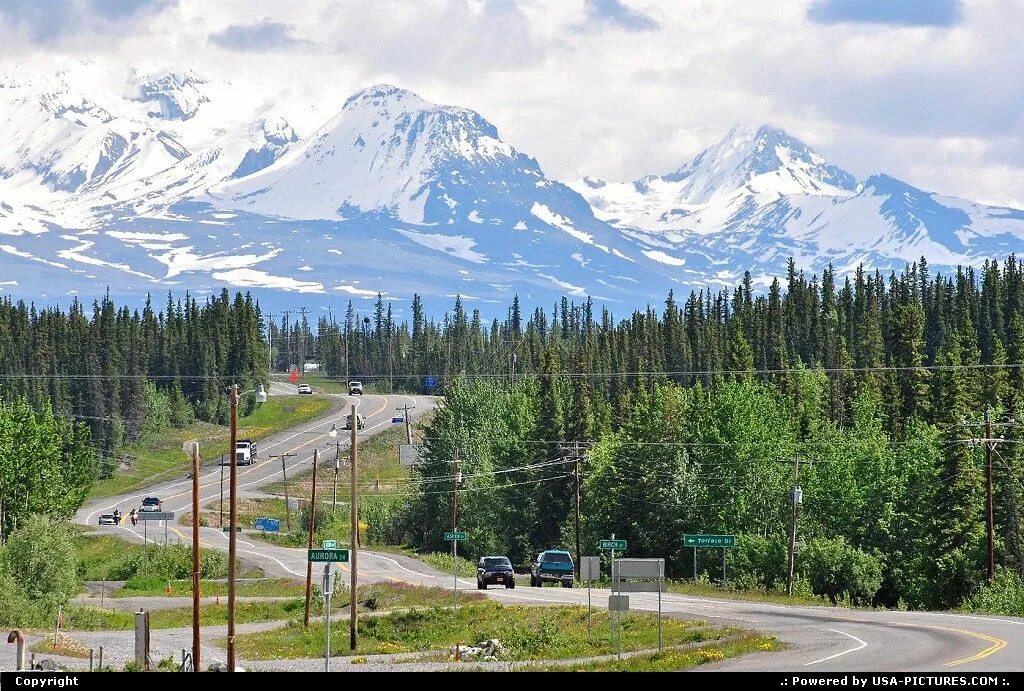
<point>997,645</point>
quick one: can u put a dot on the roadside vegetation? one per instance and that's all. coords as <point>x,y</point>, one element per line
<point>159,456</point>
<point>378,597</point>
<point>269,587</point>
<point>669,660</point>
<point>526,633</point>
<point>108,558</point>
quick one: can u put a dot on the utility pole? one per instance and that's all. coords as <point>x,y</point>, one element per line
<point>270,344</point>
<point>312,530</point>
<point>195,556</point>
<point>285,324</point>
<point>989,448</point>
<point>302,342</point>
<point>284,473</point>
<point>337,468</point>
<point>577,477</point>
<point>221,505</point>
<point>456,478</point>
<point>575,452</point>
<point>990,441</point>
<point>796,498</point>
<point>232,518</point>
<point>354,551</point>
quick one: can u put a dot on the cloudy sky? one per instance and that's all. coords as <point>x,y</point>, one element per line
<point>927,90</point>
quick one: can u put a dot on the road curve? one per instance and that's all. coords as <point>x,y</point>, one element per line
<point>820,639</point>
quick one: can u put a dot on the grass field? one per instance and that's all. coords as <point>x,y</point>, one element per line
<point>100,556</point>
<point>375,597</point>
<point>161,457</point>
<point>83,618</point>
<point>271,587</point>
<point>66,646</point>
<point>528,633</point>
<point>669,660</point>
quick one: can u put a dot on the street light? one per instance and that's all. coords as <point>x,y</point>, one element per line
<point>261,397</point>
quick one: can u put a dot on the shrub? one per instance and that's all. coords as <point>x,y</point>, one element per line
<point>1004,595</point>
<point>840,571</point>
<point>757,562</point>
<point>42,554</point>
<point>172,561</point>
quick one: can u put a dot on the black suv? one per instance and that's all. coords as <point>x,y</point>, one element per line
<point>495,571</point>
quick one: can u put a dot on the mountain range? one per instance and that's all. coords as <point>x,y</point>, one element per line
<point>162,186</point>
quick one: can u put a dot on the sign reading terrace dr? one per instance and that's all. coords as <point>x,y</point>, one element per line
<point>709,540</point>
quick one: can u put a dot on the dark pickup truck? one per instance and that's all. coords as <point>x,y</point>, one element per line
<point>553,565</point>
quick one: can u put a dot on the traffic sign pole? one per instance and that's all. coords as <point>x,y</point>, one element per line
<point>328,591</point>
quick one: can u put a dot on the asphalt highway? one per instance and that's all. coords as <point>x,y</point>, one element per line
<point>818,638</point>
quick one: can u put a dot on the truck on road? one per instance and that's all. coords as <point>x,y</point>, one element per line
<point>553,566</point>
<point>245,452</point>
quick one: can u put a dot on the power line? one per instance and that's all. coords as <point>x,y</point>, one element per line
<point>538,375</point>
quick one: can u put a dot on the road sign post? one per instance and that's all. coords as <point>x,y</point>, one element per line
<point>641,576</point>
<point>328,589</point>
<point>704,540</point>
<point>590,570</point>
<point>612,545</point>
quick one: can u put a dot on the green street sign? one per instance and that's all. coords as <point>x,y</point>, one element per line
<point>709,540</point>
<point>330,555</point>
<point>330,544</point>
<point>460,535</point>
<point>617,545</point>
<point>227,529</point>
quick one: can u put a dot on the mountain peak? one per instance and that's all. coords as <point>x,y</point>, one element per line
<point>390,150</point>
<point>170,95</point>
<point>764,160</point>
<point>381,91</point>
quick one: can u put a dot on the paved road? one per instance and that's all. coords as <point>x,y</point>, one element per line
<point>177,494</point>
<point>819,638</point>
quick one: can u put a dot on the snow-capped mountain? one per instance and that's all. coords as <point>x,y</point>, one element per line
<point>760,196</point>
<point>175,181</point>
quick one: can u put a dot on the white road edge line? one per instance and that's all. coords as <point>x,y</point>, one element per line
<point>851,650</point>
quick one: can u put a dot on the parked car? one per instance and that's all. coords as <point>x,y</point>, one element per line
<point>552,566</point>
<point>151,504</point>
<point>245,452</point>
<point>107,519</point>
<point>355,388</point>
<point>305,388</point>
<point>360,421</point>
<point>495,571</point>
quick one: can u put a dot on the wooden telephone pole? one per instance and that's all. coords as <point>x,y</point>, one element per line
<point>312,530</point>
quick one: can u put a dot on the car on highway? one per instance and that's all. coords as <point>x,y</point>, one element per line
<point>107,519</point>
<point>552,566</point>
<point>305,389</point>
<point>355,388</point>
<point>495,571</point>
<point>151,504</point>
<point>360,421</point>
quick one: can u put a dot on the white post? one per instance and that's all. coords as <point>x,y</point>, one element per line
<point>328,591</point>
